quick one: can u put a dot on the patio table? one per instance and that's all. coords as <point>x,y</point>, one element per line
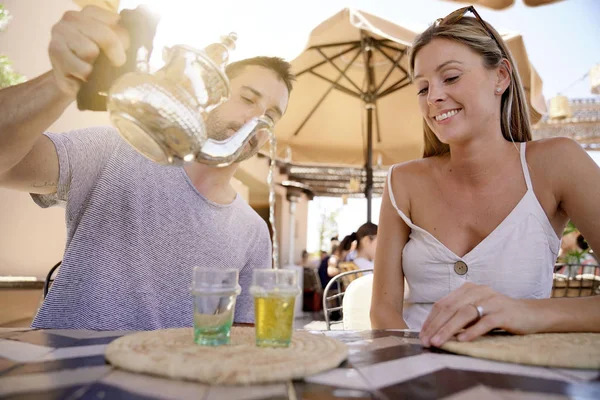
<point>384,364</point>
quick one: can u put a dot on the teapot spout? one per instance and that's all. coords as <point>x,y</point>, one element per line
<point>222,153</point>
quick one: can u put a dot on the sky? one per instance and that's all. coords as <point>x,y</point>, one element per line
<point>562,41</point>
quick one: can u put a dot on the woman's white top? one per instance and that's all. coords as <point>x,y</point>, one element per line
<point>517,258</point>
<point>363,263</point>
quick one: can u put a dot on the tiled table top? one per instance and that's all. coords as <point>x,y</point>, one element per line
<point>69,364</point>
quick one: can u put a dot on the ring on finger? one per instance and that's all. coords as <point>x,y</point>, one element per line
<point>479,311</point>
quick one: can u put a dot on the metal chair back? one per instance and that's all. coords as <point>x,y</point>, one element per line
<point>338,281</point>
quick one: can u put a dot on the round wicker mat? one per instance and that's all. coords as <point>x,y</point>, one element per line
<point>558,350</point>
<point>172,353</point>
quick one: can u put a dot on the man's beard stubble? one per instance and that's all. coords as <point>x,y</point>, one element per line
<point>217,129</point>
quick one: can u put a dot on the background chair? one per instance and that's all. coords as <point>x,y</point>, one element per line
<point>576,280</point>
<point>312,291</point>
<point>49,278</point>
<point>356,304</point>
<point>332,303</point>
<point>346,266</point>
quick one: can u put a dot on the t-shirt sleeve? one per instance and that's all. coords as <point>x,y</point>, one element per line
<point>82,154</point>
<point>260,258</point>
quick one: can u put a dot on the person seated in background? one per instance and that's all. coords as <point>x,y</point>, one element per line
<point>366,239</point>
<point>305,259</point>
<point>322,255</point>
<point>475,225</point>
<point>334,243</point>
<point>352,251</point>
<point>574,249</point>
<point>329,265</point>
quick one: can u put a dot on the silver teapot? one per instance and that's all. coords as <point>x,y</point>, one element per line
<point>162,115</point>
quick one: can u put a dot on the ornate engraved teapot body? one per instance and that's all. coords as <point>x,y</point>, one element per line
<point>162,115</point>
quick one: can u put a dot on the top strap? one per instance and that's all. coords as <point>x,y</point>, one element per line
<point>524,166</point>
<point>393,200</point>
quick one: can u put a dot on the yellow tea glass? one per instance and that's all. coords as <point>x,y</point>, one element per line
<point>274,292</point>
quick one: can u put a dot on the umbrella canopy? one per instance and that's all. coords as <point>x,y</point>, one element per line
<point>353,104</point>
<point>503,4</point>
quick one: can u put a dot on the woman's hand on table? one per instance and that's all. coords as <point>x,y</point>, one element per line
<point>461,310</point>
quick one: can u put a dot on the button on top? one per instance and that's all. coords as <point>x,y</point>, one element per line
<point>460,268</point>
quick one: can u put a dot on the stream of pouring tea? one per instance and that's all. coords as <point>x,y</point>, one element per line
<point>271,183</point>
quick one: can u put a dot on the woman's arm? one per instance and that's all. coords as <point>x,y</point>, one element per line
<point>520,316</point>
<point>388,279</point>
<point>581,314</point>
<point>576,186</point>
<point>332,266</point>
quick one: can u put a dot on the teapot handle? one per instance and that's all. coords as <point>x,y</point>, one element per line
<point>224,152</point>
<point>141,25</point>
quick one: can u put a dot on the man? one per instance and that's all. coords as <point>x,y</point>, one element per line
<point>135,229</point>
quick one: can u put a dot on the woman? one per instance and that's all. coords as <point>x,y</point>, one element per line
<point>329,265</point>
<point>366,239</point>
<point>474,225</point>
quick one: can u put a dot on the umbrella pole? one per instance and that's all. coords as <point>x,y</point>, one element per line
<point>369,98</point>
<point>369,163</point>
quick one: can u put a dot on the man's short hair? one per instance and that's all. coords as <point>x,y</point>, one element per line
<point>276,64</point>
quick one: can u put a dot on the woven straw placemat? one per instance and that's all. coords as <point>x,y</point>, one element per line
<point>172,353</point>
<point>558,350</point>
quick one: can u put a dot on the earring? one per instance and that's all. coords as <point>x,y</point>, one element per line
<point>498,90</point>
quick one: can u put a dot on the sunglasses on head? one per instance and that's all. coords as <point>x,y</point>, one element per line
<point>457,15</point>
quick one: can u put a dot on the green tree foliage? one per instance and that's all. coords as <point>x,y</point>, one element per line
<point>8,76</point>
<point>328,228</point>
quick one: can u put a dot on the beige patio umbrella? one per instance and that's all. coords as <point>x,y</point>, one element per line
<point>353,104</point>
<point>504,4</point>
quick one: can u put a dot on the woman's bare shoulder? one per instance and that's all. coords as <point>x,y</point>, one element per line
<point>551,153</point>
<point>409,176</point>
<point>415,169</point>
<point>557,161</point>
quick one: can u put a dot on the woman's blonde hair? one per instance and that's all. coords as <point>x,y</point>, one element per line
<point>470,32</point>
